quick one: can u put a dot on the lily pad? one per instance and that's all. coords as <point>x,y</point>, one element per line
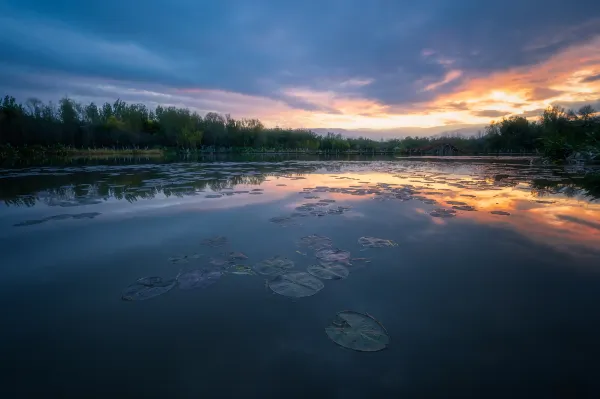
<point>281,220</point>
<point>198,278</point>
<point>315,241</point>
<point>241,270</point>
<point>357,331</point>
<point>147,288</point>
<point>237,256</point>
<point>464,208</point>
<point>374,242</point>
<point>333,255</point>
<point>273,266</point>
<point>178,259</point>
<point>296,285</point>
<point>220,262</point>
<point>502,213</point>
<point>217,241</point>
<point>329,272</point>
<point>443,213</point>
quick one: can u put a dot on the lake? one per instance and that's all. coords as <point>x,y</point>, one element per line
<point>485,282</point>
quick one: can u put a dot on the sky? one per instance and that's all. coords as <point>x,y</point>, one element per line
<point>379,66</point>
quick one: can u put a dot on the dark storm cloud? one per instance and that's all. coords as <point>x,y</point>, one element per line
<point>260,47</point>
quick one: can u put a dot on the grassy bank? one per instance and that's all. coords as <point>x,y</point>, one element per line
<point>8,152</point>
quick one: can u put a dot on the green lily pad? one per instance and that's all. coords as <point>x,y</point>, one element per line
<point>217,241</point>
<point>237,256</point>
<point>357,331</point>
<point>296,285</point>
<point>241,270</point>
<point>199,278</point>
<point>274,266</point>
<point>329,271</point>
<point>333,255</point>
<point>374,242</point>
<point>147,288</point>
<point>315,241</point>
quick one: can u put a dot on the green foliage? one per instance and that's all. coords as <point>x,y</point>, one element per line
<point>557,133</point>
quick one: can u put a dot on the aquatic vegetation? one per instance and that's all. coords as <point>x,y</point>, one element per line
<point>213,196</point>
<point>374,242</point>
<point>295,285</point>
<point>217,241</point>
<point>241,270</point>
<point>464,208</point>
<point>281,220</point>
<point>333,255</point>
<point>357,331</point>
<point>274,266</point>
<point>178,259</point>
<point>220,262</point>
<point>237,256</point>
<point>443,213</point>
<point>199,278</point>
<point>88,215</point>
<point>147,288</point>
<point>328,271</point>
<point>501,213</point>
<point>315,241</point>
<point>459,203</point>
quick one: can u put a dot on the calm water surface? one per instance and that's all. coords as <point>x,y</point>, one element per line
<point>493,289</point>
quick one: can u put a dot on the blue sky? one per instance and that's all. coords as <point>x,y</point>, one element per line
<point>330,63</point>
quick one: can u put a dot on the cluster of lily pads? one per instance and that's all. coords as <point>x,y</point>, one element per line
<point>350,329</point>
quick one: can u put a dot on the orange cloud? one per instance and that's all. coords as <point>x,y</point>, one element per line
<point>565,78</point>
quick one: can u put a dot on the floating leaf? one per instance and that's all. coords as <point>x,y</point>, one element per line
<point>333,255</point>
<point>178,259</point>
<point>296,285</point>
<point>281,219</point>
<point>502,213</point>
<point>237,256</point>
<point>357,331</point>
<point>329,271</point>
<point>198,278</point>
<point>149,281</point>
<point>315,241</point>
<point>274,266</point>
<point>217,241</point>
<point>219,262</point>
<point>147,288</point>
<point>443,213</point>
<point>241,270</point>
<point>374,242</point>
<point>456,203</point>
<point>464,208</point>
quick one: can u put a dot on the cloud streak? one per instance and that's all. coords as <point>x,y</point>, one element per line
<point>353,64</point>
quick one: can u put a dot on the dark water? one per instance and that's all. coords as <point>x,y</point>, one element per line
<point>481,304</point>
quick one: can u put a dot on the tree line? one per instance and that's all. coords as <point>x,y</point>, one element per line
<point>557,133</point>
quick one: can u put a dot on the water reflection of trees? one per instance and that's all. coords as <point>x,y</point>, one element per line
<point>84,188</point>
<point>587,185</point>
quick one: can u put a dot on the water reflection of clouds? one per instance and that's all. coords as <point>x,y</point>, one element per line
<point>554,219</point>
